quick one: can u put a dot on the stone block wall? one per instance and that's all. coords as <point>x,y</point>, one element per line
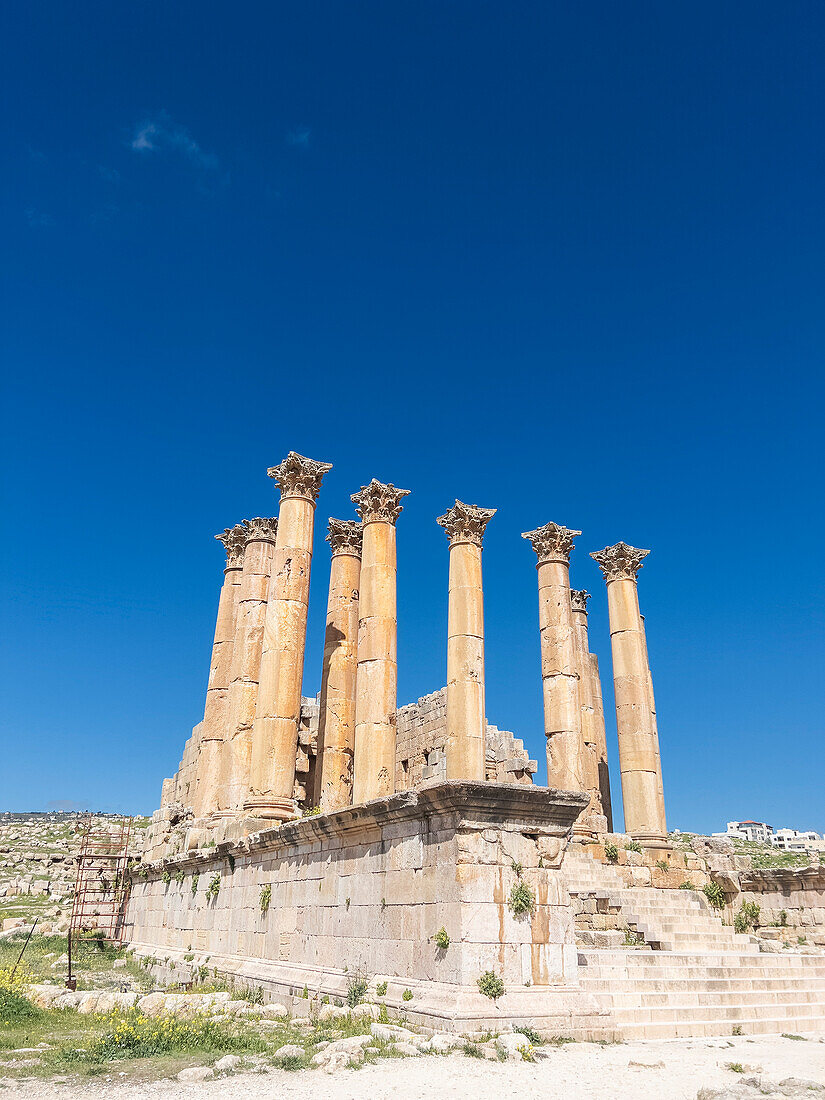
<point>800,893</point>
<point>421,734</point>
<point>365,890</point>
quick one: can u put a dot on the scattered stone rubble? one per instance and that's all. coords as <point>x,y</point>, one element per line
<point>38,863</point>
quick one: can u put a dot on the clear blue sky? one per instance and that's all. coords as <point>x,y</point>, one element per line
<point>561,260</point>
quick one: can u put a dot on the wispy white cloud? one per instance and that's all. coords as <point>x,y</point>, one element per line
<point>299,136</point>
<point>161,134</point>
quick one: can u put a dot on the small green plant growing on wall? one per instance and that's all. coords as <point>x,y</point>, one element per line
<point>213,889</point>
<point>167,878</point>
<point>687,885</point>
<point>179,875</point>
<point>715,895</point>
<point>783,918</point>
<point>407,995</point>
<point>633,846</point>
<point>747,918</point>
<point>611,853</point>
<point>663,864</point>
<point>522,900</point>
<point>356,989</point>
<point>381,989</point>
<point>195,878</point>
<point>518,869</point>
<point>441,939</point>
<point>266,897</point>
<point>491,985</point>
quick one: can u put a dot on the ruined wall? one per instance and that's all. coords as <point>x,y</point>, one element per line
<point>421,735</point>
<point>364,890</point>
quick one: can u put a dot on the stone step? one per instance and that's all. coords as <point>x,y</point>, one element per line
<point>749,1025</point>
<point>640,987</point>
<point>701,1014</point>
<point>632,997</point>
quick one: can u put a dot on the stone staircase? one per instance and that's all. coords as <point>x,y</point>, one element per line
<point>692,976</point>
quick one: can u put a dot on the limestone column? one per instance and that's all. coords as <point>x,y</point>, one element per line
<point>215,713</point>
<point>466,721</point>
<point>598,714</point>
<point>278,709</point>
<point>246,665</point>
<point>638,749</point>
<point>652,705</point>
<point>560,679</point>
<point>336,723</point>
<point>590,724</point>
<point>376,687</point>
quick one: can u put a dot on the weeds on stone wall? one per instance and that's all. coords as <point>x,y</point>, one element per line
<point>381,989</point>
<point>747,918</point>
<point>195,878</point>
<point>611,853</point>
<point>715,895</point>
<point>179,876</point>
<point>357,987</point>
<point>441,939</point>
<point>522,900</point>
<point>266,897</point>
<point>633,846</point>
<point>407,995</point>
<point>213,889</point>
<point>491,985</point>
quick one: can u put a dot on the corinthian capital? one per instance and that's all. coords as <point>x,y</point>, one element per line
<point>261,529</point>
<point>298,476</point>
<point>466,523</point>
<point>345,536</point>
<point>579,600</point>
<point>551,542</point>
<point>620,562</point>
<point>234,541</point>
<point>379,503</point>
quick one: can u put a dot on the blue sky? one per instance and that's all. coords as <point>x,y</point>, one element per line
<point>560,260</point>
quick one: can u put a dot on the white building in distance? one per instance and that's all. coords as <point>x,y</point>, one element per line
<point>793,840</point>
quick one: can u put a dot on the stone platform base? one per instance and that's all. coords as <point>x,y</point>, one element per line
<point>553,1011</point>
<point>363,892</point>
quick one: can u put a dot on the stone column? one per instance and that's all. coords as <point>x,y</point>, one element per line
<point>466,721</point>
<point>215,713</point>
<point>638,749</point>
<point>598,714</point>
<point>590,724</point>
<point>652,705</point>
<point>376,689</point>
<point>560,679</point>
<point>246,665</point>
<point>278,710</point>
<point>336,724</point>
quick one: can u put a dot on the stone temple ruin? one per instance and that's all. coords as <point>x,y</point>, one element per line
<point>303,841</point>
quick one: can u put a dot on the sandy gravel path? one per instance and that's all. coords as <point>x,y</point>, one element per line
<point>656,1070</point>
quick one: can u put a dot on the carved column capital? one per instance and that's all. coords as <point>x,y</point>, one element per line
<point>345,536</point>
<point>619,562</point>
<point>552,542</point>
<point>298,476</point>
<point>579,600</point>
<point>379,503</point>
<point>466,523</point>
<point>261,529</point>
<point>234,541</point>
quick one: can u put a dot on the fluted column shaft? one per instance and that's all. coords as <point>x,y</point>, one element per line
<point>278,709</point>
<point>376,696</point>
<point>560,679</point>
<point>590,732</point>
<point>215,713</point>
<point>652,705</point>
<point>336,725</point>
<point>466,721</point>
<point>236,756</point>
<point>638,742</point>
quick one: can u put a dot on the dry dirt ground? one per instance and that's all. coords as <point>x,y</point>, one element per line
<point>672,1070</point>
